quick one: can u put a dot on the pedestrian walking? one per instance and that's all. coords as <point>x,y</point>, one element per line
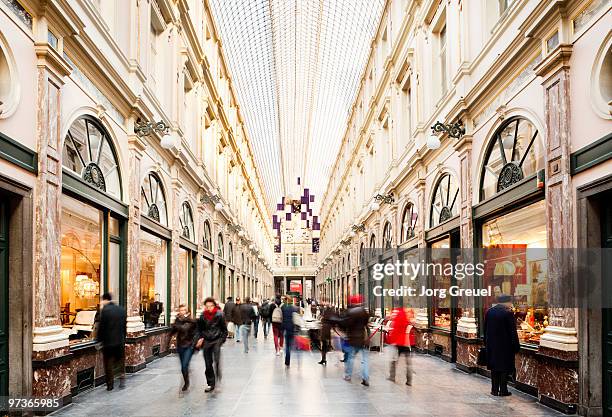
<point>355,324</point>
<point>276,317</point>
<point>265,317</point>
<point>401,337</point>
<point>288,327</point>
<point>184,327</point>
<point>228,310</point>
<point>237,317</point>
<point>212,331</point>
<point>255,304</point>
<point>501,343</point>
<point>247,314</point>
<point>111,333</point>
<point>327,320</point>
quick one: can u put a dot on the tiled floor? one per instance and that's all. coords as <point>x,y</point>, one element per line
<point>257,384</point>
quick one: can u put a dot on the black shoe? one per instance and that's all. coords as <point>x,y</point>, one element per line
<point>505,394</point>
<point>495,394</point>
<point>209,389</point>
<point>323,363</point>
<point>409,383</point>
<point>365,383</point>
<point>109,387</point>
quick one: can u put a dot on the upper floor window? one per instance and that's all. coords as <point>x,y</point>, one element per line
<point>153,204</point>
<point>444,201</point>
<point>89,152</point>
<point>207,241</point>
<point>409,219</point>
<point>230,253</point>
<point>515,151</point>
<point>186,221</point>
<point>442,59</point>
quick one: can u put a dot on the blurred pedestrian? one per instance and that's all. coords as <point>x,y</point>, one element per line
<point>184,327</point>
<point>401,337</point>
<point>228,310</point>
<point>276,316</point>
<point>327,319</point>
<point>265,317</point>
<point>111,333</point>
<point>255,304</point>
<point>501,342</point>
<point>247,314</point>
<point>237,317</point>
<point>212,331</point>
<point>288,327</point>
<point>355,324</point>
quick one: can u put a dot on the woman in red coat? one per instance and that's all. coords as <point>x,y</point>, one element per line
<point>402,337</point>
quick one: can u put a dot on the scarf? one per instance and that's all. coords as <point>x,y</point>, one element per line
<point>209,315</point>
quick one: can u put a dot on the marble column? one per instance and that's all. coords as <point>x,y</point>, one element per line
<point>466,326</point>
<point>135,357</point>
<point>560,335</point>
<point>48,341</point>
<point>177,186</point>
<point>421,316</point>
<point>557,376</point>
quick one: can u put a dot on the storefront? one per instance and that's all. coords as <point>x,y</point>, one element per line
<point>442,237</point>
<point>186,280</point>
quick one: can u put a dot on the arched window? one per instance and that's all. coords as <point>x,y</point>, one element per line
<point>372,245</point>
<point>153,204</point>
<point>242,262</point>
<point>515,152</point>
<point>88,151</point>
<point>387,236</point>
<point>348,261</point>
<point>207,241</point>
<point>186,221</point>
<point>362,254</point>
<point>444,203</point>
<point>230,253</point>
<point>220,245</point>
<point>409,219</point>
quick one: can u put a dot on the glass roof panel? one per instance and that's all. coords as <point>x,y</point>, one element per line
<point>296,66</point>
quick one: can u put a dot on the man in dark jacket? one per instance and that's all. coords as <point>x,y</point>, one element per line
<point>228,310</point>
<point>501,341</point>
<point>111,333</point>
<point>288,327</point>
<point>355,324</point>
<point>213,333</point>
<point>237,317</point>
<point>184,327</point>
<point>247,314</point>
<point>265,315</point>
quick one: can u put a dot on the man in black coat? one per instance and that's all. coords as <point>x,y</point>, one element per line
<point>227,312</point>
<point>501,341</point>
<point>247,315</point>
<point>111,333</point>
<point>213,332</point>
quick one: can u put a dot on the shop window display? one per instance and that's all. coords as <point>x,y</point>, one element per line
<point>441,254</point>
<point>81,268</point>
<point>516,264</point>
<point>153,200</point>
<point>153,279</point>
<point>183,276</point>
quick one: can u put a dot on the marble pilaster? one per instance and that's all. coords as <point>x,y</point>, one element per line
<point>51,69</point>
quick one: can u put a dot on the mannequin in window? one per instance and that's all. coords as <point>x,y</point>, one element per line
<point>157,308</point>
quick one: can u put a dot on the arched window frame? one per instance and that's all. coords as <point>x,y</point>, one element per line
<point>372,245</point>
<point>387,235</point>
<point>448,202</point>
<point>186,221</point>
<point>220,249</point>
<point>512,171</point>
<point>230,253</point>
<point>409,222</point>
<point>91,171</point>
<point>151,205</point>
<point>207,238</point>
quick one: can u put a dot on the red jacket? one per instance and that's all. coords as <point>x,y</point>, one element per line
<point>398,334</point>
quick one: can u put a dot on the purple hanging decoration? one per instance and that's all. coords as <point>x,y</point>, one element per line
<point>304,215</point>
<point>307,224</point>
<point>304,200</point>
<point>312,198</point>
<point>315,244</point>
<point>280,207</point>
<point>298,180</point>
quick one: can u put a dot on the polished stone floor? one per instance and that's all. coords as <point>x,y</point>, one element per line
<point>257,384</point>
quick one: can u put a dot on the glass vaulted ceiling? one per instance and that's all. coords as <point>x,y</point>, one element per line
<point>296,67</point>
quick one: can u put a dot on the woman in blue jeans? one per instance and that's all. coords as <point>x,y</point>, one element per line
<point>184,327</point>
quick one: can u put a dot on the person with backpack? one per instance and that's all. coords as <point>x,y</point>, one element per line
<point>276,316</point>
<point>265,317</point>
<point>255,304</point>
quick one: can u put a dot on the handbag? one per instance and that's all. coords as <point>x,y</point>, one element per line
<point>482,356</point>
<point>302,343</point>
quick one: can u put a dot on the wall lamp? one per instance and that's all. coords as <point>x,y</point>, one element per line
<point>212,199</point>
<point>357,228</point>
<point>143,129</point>
<point>381,199</point>
<point>454,130</point>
